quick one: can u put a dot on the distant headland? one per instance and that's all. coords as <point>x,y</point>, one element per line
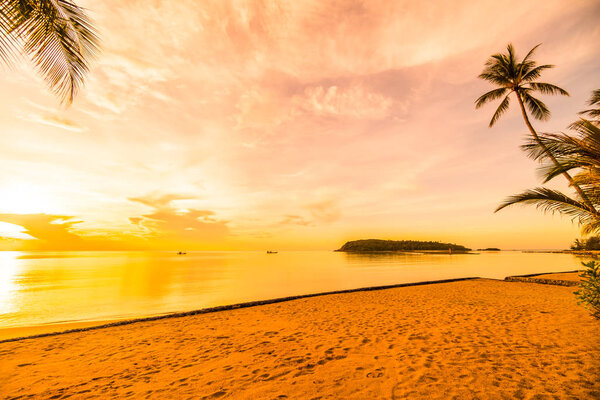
<point>372,245</point>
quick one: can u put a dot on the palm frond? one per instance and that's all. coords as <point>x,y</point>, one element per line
<point>547,88</point>
<point>535,73</point>
<point>500,110</point>
<point>593,226</point>
<point>489,96</point>
<point>549,200</point>
<point>512,59</point>
<point>530,53</point>
<point>524,68</point>
<point>537,151</point>
<point>59,38</point>
<point>8,44</point>
<point>589,180</point>
<point>586,128</point>
<point>526,64</point>
<point>594,101</point>
<point>499,64</point>
<point>569,152</point>
<point>494,77</point>
<point>536,107</point>
<point>559,145</point>
<point>595,98</point>
<point>550,171</point>
<point>592,113</point>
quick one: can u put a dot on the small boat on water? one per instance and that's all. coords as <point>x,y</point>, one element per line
<point>181,253</point>
<point>271,252</point>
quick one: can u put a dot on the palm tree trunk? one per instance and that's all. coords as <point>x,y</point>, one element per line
<point>572,183</point>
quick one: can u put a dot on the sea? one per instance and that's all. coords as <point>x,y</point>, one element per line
<point>49,291</point>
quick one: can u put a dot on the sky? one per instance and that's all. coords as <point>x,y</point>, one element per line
<point>289,125</point>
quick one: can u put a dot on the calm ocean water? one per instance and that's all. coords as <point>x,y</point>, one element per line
<point>43,288</point>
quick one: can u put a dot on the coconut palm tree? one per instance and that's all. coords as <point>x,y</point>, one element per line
<point>520,78</point>
<point>58,37</point>
<point>580,152</point>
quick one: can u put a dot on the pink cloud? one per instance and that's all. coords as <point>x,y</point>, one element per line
<point>268,110</point>
<point>351,102</point>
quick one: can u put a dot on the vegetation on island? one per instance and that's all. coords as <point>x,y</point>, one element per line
<point>56,35</point>
<point>577,153</point>
<point>489,249</point>
<point>372,245</point>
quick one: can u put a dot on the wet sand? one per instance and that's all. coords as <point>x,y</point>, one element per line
<point>27,331</point>
<point>471,339</point>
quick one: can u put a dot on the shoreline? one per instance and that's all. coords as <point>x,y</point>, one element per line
<point>231,307</point>
<point>83,326</point>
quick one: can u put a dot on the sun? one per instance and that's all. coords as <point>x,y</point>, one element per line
<point>20,198</point>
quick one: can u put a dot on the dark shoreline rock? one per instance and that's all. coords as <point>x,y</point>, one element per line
<point>542,281</point>
<point>533,278</point>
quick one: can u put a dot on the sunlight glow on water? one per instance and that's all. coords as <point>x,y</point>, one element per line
<point>38,288</point>
<point>8,285</point>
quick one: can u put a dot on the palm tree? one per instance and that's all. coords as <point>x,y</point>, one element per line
<point>520,78</point>
<point>58,37</point>
<point>580,152</point>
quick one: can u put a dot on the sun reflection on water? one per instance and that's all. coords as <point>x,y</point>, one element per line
<point>9,269</point>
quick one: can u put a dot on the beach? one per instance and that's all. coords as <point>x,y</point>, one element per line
<point>300,200</point>
<point>481,338</point>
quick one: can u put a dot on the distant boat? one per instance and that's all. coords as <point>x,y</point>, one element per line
<point>271,252</point>
<point>181,253</point>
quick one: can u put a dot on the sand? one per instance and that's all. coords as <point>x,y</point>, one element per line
<point>477,339</point>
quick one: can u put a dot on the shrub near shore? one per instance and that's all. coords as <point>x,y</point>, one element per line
<point>589,291</point>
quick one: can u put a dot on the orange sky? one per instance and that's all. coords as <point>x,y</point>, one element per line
<point>288,125</point>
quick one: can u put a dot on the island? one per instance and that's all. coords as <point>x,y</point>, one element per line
<point>374,245</point>
<point>489,249</point>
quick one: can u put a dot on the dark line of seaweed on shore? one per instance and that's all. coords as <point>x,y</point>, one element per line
<point>236,306</point>
<point>543,273</point>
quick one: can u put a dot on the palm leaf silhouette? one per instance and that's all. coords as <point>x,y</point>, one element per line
<point>57,36</point>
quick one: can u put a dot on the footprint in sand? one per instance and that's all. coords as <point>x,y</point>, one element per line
<point>216,395</point>
<point>378,373</point>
